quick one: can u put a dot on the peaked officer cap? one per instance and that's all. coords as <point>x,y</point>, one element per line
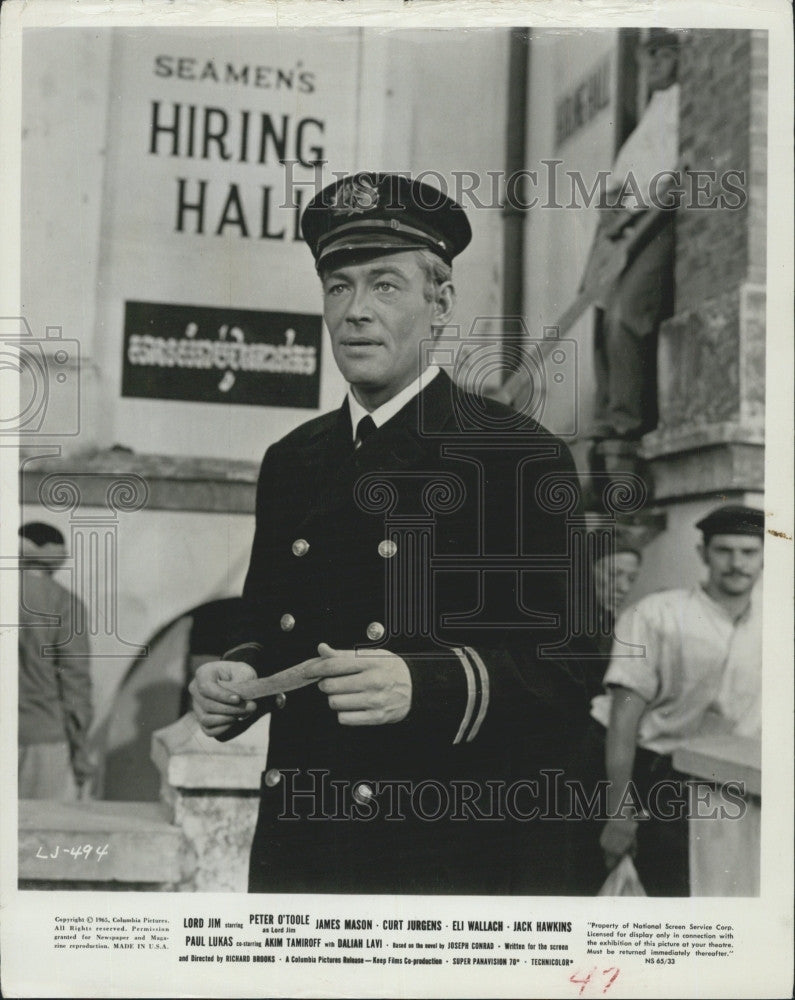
<point>370,211</point>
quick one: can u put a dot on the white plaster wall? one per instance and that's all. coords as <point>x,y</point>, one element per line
<point>446,95</point>
<point>558,239</point>
<point>64,150</point>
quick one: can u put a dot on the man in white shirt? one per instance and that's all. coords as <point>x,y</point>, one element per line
<point>685,662</point>
<point>420,678</point>
<point>625,405</point>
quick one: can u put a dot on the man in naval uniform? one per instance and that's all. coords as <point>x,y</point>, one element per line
<point>411,555</point>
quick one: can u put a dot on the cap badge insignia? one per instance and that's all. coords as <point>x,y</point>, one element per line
<point>355,196</point>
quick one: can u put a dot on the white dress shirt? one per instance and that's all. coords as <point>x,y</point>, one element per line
<point>696,666</point>
<point>388,409</point>
<point>653,146</point>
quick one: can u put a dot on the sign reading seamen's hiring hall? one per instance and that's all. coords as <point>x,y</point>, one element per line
<point>219,355</point>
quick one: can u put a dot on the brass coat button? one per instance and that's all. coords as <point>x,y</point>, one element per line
<point>287,623</point>
<point>281,700</point>
<point>387,549</point>
<point>300,547</point>
<point>363,793</point>
<point>375,631</point>
<point>273,777</point>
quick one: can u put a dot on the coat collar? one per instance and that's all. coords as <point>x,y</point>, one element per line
<point>414,430</point>
<point>404,441</point>
<point>434,404</point>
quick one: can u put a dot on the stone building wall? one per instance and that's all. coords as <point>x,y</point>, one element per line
<point>714,247</point>
<point>712,349</point>
<point>709,446</point>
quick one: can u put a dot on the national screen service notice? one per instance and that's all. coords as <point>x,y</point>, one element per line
<point>275,945</point>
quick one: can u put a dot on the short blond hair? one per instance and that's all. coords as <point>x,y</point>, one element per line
<point>436,271</point>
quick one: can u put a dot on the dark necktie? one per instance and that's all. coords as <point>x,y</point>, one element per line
<point>364,430</point>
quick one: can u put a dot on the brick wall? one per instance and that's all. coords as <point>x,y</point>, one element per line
<point>757,206</point>
<point>723,75</point>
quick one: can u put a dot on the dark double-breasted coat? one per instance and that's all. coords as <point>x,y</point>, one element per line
<point>442,539</point>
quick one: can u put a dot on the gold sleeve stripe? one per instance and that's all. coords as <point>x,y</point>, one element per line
<point>470,706</point>
<point>484,692</point>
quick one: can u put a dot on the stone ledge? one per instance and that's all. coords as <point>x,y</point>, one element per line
<point>142,845</point>
<point>719,469</point>
<point>641,527</point>
<point>187,759</point>
<point>672,442</point>
<point>722,758</point>
<point>174,483</point>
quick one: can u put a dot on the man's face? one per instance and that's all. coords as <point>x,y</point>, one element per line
<point>614,577</point>
<point>661,66</point>
<point>377,313</point>
<point>734,562</point>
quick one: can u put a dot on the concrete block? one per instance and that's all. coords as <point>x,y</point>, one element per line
<point>129,842</point>
<point>187,759</point>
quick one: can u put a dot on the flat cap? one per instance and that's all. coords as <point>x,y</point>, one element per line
<point>371,211</point>
<point>41,545</point>
<point>733,519</point>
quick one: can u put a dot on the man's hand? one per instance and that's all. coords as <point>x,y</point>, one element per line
<point>364,690</point>
<point>214,705</point>
<point>618,839</point>
<point>84,766</point>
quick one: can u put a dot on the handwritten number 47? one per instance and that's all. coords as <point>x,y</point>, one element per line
<point>582,982</point>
